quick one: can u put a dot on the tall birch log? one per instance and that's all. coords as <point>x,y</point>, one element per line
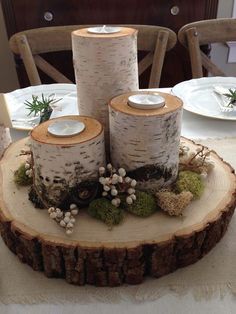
<point>61,163</point>
<point>5,138</point>
<point>105,66</point>
<point>146,141</point>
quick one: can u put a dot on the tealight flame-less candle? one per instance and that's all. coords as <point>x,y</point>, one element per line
<point>105,29</point>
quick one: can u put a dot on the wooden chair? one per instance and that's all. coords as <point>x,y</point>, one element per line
<point>30,44</point>
<point>196,34</point>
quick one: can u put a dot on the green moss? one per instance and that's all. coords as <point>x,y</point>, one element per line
<point>102,209</point>
<point>190,181</point>
<point>144,205</point>
<point>20,177</point>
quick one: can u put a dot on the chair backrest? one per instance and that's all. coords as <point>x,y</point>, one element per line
<point>29,44</point>
<point>196,34</point>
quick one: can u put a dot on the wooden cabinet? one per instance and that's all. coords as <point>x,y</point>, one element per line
<point>25,14</point>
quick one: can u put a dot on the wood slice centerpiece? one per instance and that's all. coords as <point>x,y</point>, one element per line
<point>105,66</point>
<point>60,163</point>
<point>152,246</point>
<point>146,141</point>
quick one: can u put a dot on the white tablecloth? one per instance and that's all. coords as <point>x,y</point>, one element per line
<point>194,127</point>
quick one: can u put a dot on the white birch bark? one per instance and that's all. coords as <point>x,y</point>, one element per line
<point>105,66</point>
<point>5,139</point>
<point>56,168</point>
<point>148,142</point>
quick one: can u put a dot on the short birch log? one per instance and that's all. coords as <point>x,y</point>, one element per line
<point>5,138</point>
<point>61,163</point>
<point>105,66</point>
<point>146,141</point>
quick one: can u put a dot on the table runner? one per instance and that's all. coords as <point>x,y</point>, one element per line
<point>214,274</point>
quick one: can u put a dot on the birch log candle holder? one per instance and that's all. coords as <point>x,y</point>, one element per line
<point>105,66</point>
<point>5,138</point>
<point>146,141</point>
<point>60,163</point>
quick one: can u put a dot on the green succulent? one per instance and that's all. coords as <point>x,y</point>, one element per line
<point>232,97</point>
<point>41,106</point>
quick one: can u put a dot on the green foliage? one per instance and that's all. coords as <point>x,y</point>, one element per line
<point>20,177</point>
<point>143,206</point>
<point>41,106</point>
<point>103,210</point>
<point>232,97</point>
<point>189,181</point>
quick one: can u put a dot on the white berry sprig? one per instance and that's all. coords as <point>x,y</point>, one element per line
<point>115,183</point>
<point>28,163</point>
<point>64,219</point>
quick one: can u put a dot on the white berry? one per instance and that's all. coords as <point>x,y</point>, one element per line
<point>106,188</point>
<point>73,206</point>
<point>53,215</point>
<point>74,212</point>
<point>133,183</point>
<point>122,172</point>
<point>109,166</point>
<point>120,179</point>
<point>67,219</point>
<point>102,180</point>
<point>101,170</point>
<point>69,231</point>
<point>114,202</point>
<point>67,214</point>
<point>114,192</point>
<point>127,179</point>
<point>70,225</point>
<point>129,200</point>
<point>59,214</point>
<point>62,223</point>
<point>104,193</point>
<point>133,196</point>
<point>27,166</point>
<point>131,191</point>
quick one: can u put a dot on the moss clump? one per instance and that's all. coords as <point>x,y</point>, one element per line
<point>173,204</point>
<point>143,206</point>
<point>102,209</point>
<point>189,181</point>
<point>20,177</point>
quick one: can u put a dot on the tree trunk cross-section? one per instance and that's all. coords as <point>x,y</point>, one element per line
<point>137,248</point>
<point>105,66</point>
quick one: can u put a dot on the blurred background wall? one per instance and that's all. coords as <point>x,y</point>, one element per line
<point>8,77</point>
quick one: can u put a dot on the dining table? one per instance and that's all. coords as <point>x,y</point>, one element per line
<point>217,295</point>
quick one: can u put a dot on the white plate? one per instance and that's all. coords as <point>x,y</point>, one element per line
<point>199,97</point>
<point>66,128</point>
<point>19,114</point>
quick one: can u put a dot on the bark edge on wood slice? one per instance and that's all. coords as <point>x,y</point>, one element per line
<point>124,259</point>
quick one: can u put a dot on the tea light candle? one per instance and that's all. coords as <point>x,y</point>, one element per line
<point>146,101</point>
<point>66,128</point>
<point>104,29</point>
